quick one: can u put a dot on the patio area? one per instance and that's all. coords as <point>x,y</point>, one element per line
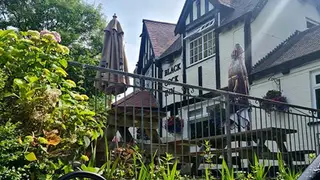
<point>185,122</point>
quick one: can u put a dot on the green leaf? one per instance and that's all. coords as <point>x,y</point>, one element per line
<point>31,157</point>
<point>86,141</point>
<point>61,72</point>
<point>18,82</point>
<point>42,140</point>
<point>69,83</point>
<point>31,79</point>
<point>64,63</point>
<point>9,94</point>
<point>95,135</point>
<point>30,93</point>
<point>87,113</point>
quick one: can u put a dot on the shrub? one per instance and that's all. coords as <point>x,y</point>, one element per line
<point>55,122</point>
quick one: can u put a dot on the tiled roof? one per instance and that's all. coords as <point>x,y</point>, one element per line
<point>241,7</point>
<point>296,46</point>
<point>138,99</point>
<point>176,46</point>
<point>161,35</point>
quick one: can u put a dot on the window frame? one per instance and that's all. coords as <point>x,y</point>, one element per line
<point>204,50</point>
<point>197,115</point>
<point>314,87</point>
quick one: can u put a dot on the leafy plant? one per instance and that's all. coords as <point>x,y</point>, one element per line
<point>208,156</point>
<point>286,173</point>
<point>55,122</point>
<point>226,173</point>
<point>259,172</point>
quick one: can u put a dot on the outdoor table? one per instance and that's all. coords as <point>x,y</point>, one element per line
<point>259,136</point>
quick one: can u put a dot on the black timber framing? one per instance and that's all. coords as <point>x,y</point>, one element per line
<point>184,65</point>
<point>247,43</point>
<point>206,5</point>
<point>199,21</point>
<point>217,46</point>
<point>160,94</point>
<point>200,78</point>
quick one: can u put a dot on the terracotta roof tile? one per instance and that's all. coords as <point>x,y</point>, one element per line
<point>161,35</point>
<point>138,99</point>
<point>176,46</point>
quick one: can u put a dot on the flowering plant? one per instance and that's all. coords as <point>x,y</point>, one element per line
<point>174,125</point>
<point>276,97</point>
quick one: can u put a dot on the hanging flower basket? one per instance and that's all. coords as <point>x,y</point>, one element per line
<point>174,125</point>
<point>276,97</point>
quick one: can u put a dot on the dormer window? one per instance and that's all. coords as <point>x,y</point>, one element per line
<point>311,23</point>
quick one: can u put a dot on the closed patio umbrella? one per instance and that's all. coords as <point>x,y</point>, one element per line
<point>113,57</point>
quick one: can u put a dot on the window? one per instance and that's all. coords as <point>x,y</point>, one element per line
<point>311,23</point>
<point>316,90</point>
<point>205,128</point>
<point>202,47</point>
<point>195,113</point>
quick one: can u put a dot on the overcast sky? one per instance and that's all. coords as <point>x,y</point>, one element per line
<point>130,14</point>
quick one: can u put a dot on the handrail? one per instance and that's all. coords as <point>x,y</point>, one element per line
<point>222,92</point>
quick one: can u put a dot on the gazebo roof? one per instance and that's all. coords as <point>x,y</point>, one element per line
<point>138,99</point>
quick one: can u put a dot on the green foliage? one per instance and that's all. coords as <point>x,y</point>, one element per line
<point>74,19</point>
<point>53,119</point>
<point>259,169</point>
<point>80,25</point>
<point>226,173</point>
<point>285,173</point>
<point>11,153</point>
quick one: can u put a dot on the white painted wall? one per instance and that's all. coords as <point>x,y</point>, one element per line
<point>276,22</point>
<point>228,39</point>
<point>194,11</point>
<point>174,97</point>
<point>297,87</point>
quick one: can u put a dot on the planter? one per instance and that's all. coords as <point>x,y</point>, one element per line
<point>174,125</point>
<point>276,99</point>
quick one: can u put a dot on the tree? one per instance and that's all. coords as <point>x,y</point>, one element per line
<point>79,24</point>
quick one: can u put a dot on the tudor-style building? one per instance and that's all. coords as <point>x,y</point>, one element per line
<point>156,37</point>
<point>211,28</point>
<point>207,31</point>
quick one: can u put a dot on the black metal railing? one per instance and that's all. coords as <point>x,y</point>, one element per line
<point>170,117</point>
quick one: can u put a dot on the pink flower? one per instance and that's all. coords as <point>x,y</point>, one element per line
<point>57,36</point>
<point>54,33</point>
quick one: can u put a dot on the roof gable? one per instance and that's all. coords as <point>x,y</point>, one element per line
<point>161,35</point>
<point>233,9</point>
<point>241,7</point>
